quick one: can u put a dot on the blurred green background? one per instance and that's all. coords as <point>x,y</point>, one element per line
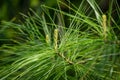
<point>11,8</point>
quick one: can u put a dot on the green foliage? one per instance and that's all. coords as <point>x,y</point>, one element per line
<point>87,49</point>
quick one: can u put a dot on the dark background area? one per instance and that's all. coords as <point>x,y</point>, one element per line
<point>11,8</point>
